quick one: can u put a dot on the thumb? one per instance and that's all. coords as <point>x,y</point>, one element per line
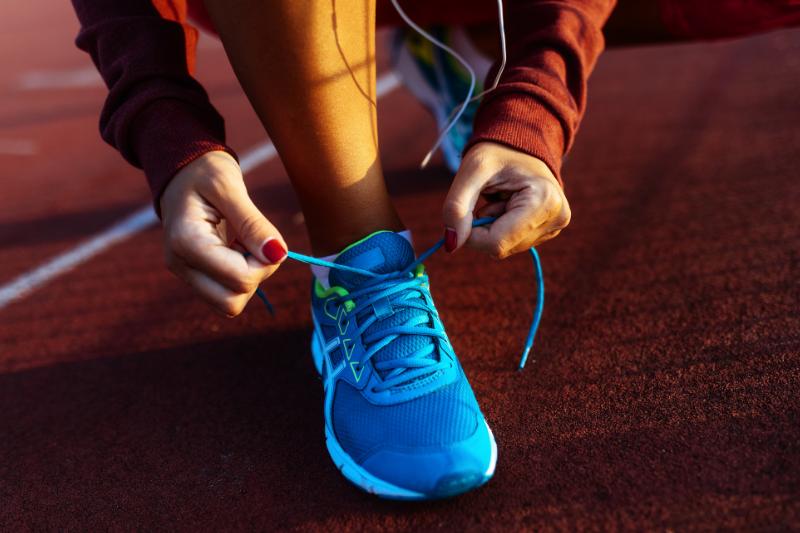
<point>458,208</point>
<point>252,229</point>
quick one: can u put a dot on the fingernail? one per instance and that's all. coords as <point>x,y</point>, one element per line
<point>450,239</point>
<point>273,250</point>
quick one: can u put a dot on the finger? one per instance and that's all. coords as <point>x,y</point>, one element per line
<point>227,235</point>
<point>458,207</point>
<point>498,196</point>
<point>524,222</point>
<point>246,222</point>
<point>494,209</point>
<point>547,231</point>
<point>223,264</point>
<point>229,303</point>
<point>236,245</point>
<point>198,242</point>
<point>540,239</point>
<point>545,237</point>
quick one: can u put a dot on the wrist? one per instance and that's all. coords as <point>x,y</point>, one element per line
<point>524,124</point>
<point>497,156</point>
<point>211,167</point>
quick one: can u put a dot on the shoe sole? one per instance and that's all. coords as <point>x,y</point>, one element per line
<point>357,475</point>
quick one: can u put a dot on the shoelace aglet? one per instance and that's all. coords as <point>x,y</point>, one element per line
<point>524,357</point>
<point>426,160</point>
<point>263,296</point>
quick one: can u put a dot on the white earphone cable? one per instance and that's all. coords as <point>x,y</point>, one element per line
<point>456,114</point>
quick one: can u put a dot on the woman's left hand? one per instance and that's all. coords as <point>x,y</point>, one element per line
<point>519,189</point>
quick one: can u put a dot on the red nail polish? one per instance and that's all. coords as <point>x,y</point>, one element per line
<point>450,239</point>
<point>273,250</point>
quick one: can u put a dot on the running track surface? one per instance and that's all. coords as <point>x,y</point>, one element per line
<point>664,391</point>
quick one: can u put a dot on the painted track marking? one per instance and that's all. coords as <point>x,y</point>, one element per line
<point>17,147</point>
<point>78,78</point>
<point>141,219</point>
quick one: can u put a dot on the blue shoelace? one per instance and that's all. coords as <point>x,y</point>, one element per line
<point>403,288</point>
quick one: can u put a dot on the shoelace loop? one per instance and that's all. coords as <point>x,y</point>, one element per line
<point>382,285</point>
<point>404,290</point>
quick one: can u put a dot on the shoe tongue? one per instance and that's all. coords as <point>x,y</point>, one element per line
<point>382,252</point>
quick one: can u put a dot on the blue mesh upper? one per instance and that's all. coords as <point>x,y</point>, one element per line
<point>446,415</point>
<point>442,417</point>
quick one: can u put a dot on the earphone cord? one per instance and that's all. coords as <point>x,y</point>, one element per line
<point>455,115</point>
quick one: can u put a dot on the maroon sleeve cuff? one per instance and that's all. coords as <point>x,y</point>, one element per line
<point>168,134</point>
<point>520,121</point>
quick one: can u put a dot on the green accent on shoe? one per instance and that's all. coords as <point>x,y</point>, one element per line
<point>359,241</point>
<point>348,348</point>
<point>356,375</point>
<point>322,292</point>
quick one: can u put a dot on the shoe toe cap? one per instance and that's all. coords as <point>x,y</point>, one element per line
<point>437,472</point>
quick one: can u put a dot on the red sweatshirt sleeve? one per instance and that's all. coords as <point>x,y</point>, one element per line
<point>156,114</point>
<point>552,48</point>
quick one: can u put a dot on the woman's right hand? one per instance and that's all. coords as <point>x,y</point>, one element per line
<point>209,220</point>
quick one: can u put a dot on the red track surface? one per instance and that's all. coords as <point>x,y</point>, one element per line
<point>664,390</point>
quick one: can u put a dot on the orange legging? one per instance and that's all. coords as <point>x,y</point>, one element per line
<point>633,21</point>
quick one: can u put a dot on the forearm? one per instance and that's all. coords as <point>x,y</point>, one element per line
<point>156,114</point>
<point>541,98</point>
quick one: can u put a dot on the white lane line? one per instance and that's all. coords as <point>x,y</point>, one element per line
<point>60,79</point>
<point>260,153</point>
<point>17,147</point>
<point>144,217</point>
<point>32,280</point>
<point>125,228</point>
<point>386,84</point>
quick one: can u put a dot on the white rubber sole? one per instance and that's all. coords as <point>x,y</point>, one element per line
<point>367,482</point>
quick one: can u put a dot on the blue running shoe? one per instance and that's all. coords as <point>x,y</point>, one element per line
<point>401,420</point>
<point>440,82</point>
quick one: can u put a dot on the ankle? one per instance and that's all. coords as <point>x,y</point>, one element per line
<point>334,234</point>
